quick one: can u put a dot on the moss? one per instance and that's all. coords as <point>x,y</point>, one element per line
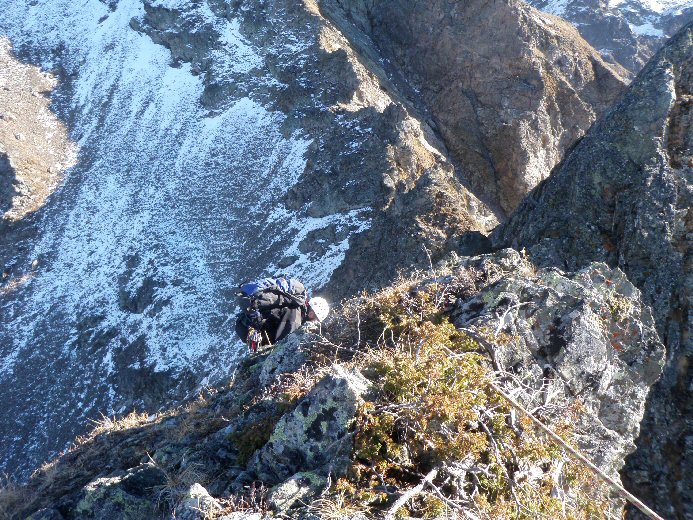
<point>253,436</point>
<point>108,499</point>
<point>432,405</point>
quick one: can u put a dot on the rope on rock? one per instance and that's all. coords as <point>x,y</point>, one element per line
<point>606,478</point>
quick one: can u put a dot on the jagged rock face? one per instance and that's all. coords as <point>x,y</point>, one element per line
<point>218,142</point>
<point>223,140</point>
<point>508,88</point>
<point>624,196</point>
<point>585,335</point>
<point>315,436</point>
<point>625,32</point>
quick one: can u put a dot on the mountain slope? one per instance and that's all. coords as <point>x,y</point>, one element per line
<point>627,32</point>
<point>219,141</point>
<point>624,195</point>
<point>190,153</point>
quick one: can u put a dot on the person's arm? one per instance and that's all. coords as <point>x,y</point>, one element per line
<point>291,320</point>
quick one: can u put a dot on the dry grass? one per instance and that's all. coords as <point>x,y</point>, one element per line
<point>432,406</point>
<point>11,496</point>
<point>337,507</point>
<point>254,500</point>
<point>115,424</point>
<point>178,482</point>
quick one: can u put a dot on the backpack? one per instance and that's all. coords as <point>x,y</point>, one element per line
<point>261,293</point>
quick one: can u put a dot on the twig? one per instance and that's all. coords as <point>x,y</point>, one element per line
<point>487,345</point>
<point>358,328</point>
<point>450,503</point>
<point>411,493</point>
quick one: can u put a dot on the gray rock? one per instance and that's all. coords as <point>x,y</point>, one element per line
<point>242,516</point>
<point>299,489</point>
<point>106,498</point>
<point>196,504</point>
<point>287,356</point>
<point>316,435</point>
<point>623,196</point>
<point>590,330</point>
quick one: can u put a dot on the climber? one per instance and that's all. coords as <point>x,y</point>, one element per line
<point>273,308</point>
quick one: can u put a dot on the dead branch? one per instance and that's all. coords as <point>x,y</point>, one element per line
<point>411,493</point>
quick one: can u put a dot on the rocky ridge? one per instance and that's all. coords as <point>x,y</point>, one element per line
<point>509,89</point>
<point>625,32</point>
<point>203,126</point>
<point>302,438</point>
<point>623,196</point>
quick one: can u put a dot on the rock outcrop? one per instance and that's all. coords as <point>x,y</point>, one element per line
<point>590,332</point>
<point>581,344</point>
<point>507,88</point>
<point>624,196</point>
<point>315,436</point>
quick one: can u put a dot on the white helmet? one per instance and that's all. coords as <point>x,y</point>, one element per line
<point>320,307</point>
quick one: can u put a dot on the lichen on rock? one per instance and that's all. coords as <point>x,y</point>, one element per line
<point>316,435</point>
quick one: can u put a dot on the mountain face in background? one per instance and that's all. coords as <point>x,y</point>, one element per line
<point>627,32</point>
<point>217,141</point>
<point>624,196</point>
<point>508,88</point>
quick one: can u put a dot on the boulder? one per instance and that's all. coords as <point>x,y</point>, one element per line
<point>287,356</point>
<point>586,333</point>
<point>316,435</point>
<point>46,514</point>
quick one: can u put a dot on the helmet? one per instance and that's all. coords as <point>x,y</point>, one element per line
<point>320,307</point>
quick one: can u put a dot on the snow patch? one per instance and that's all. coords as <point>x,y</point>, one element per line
<point>646,29</point>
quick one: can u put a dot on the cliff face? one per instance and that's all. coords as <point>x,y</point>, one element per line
<point>623,196</point>
<point>388,408</point>
<point>624,32</point>
<point>222,140</point>
<point>508,88</point>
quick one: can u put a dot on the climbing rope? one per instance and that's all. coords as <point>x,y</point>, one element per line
<point>606,478</point>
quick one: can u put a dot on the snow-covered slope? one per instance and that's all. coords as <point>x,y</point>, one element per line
<point>192,138</point>
<point>219,140</point>
<point>139,251</point>
<point>624,31</point>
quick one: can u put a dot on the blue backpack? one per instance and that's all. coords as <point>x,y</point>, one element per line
<point>283,285</point>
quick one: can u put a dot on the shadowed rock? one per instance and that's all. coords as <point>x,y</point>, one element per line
<point>7,180</point>
<point>624,196</point>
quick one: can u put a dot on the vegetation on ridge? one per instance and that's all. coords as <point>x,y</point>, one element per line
<point>429,411</point>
